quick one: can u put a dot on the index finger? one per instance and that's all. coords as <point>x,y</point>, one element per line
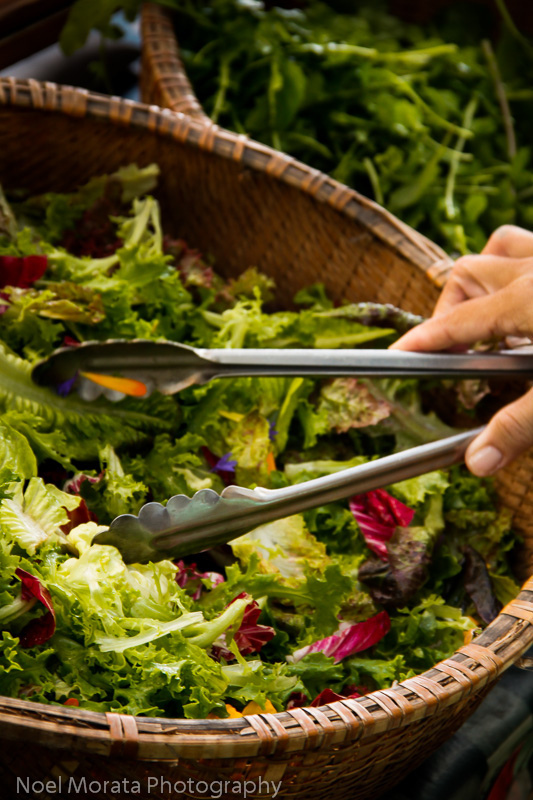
<point>508,312</point>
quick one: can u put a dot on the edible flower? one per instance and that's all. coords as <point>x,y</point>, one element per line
<point>65,387</point>
<point>250,708</point>
<point>127,386</point>
<point>225,464</point>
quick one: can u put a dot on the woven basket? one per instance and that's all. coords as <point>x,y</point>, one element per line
<point>247,204</point>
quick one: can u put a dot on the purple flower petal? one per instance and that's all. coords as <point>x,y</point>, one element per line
<point>65,388</point>
<point>225,464</point>
<point>272,432</point>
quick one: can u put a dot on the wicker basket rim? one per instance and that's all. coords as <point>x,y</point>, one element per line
<point>467,670</point>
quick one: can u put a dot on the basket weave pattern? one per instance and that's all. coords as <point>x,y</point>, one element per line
<point>248,204</point>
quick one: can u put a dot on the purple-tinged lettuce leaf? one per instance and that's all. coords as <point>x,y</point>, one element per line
<point>195,582</point>
<point>393,581</point>
<point>478,585</point>
<point>348,403</point>
<point>407,420</point>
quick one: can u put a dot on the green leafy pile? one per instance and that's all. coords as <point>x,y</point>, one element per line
<point>305,604</point>
<point>432,121</point>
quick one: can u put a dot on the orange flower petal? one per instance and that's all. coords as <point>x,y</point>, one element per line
<point>270,462</point>
<point>124,385</point>
<point>232,712</point>
<point>254,708</point>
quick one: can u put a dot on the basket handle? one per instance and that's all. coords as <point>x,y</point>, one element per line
<point>164,79</point>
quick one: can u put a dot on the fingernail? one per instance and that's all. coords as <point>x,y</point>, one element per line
<point>485,461</point>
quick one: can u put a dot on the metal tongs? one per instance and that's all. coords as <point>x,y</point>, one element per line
<point>189,525</point>
<point>117,367</point>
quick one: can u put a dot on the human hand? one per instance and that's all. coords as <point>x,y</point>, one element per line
<point>487,296</point>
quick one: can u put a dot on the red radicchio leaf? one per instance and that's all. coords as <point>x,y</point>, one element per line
<point>189,576</point>
<point>378,514</point>
<point>82,513</point>
<point>349,639</point>
<point>329,696</point>
<point>38,630</point>
<point>299,699</point>
<point>21,271</point>
<point>77,516</point>
<point>250,637</point>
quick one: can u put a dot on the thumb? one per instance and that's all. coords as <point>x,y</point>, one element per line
<point>508,434</point>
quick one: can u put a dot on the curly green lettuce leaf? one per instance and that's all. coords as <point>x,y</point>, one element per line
<point>425,633</point>
<point>173,466</point>
<point>284,547</point>
<point>16,451</point>
<point>414,491</point>
<point>116,492</point>
<point>23,328</point>
<point>258,681</point>
<point>86,427</point>
<point>35,515</point>
<point>249,443</point>
<point>246,325</point>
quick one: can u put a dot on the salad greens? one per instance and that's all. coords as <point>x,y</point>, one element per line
<point>432,121</point>
<point>334,602</point>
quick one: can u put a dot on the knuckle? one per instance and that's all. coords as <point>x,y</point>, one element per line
<point>465,266</point>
